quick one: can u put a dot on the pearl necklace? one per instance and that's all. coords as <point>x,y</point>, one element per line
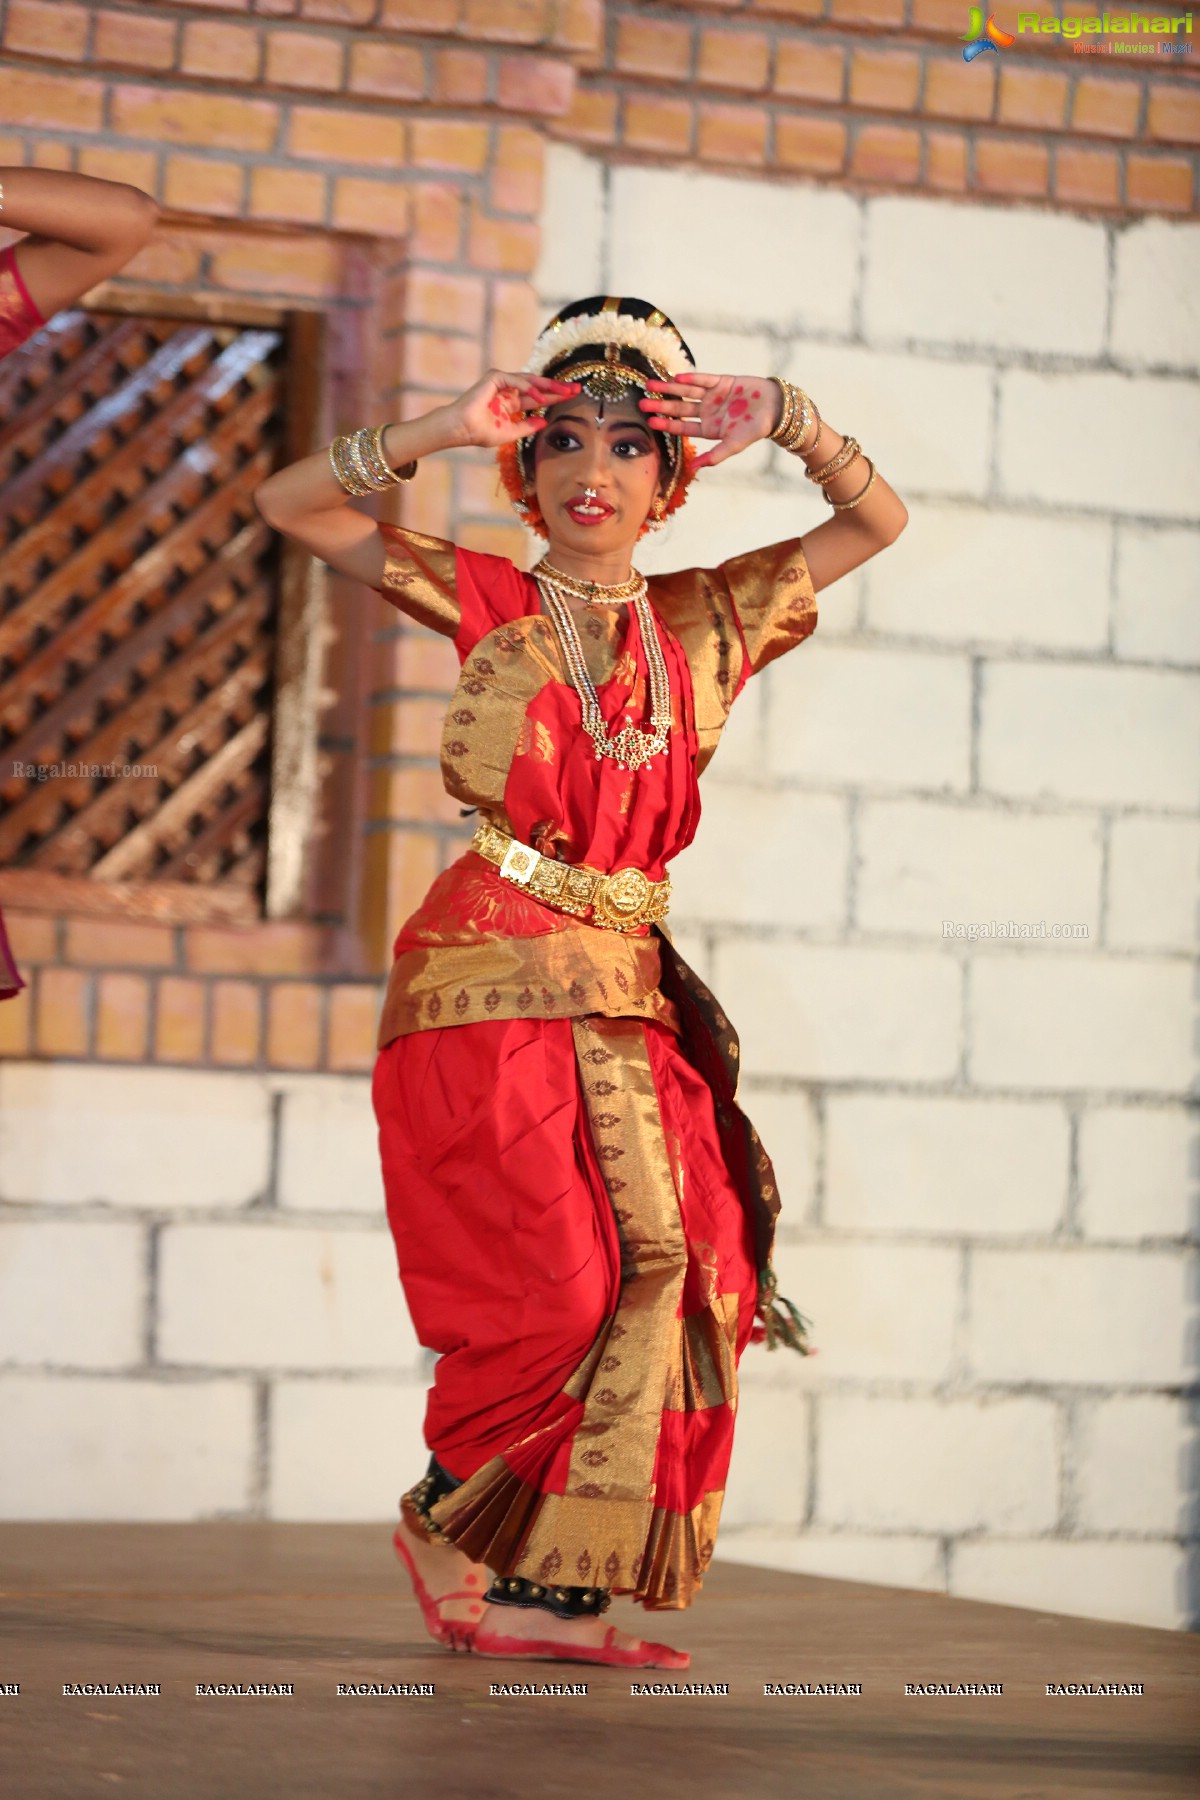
<point>630,747</point>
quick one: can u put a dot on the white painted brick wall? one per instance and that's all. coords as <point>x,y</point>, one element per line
<point>1138,1170</point>
<point>71,1293</point>
<point>1084,1314</point>
<point>1105,736</point>
<point>763,275</point>
<point>1138,1583</point>
<point>769,1471</point>
<point>937,1465</point>
<point>953,578</point>
<point>1153,884</point>
<point>760,886</point>
<point>131,1137</point>
<point>985,1155</point>
<point>991,304</point>
<point>840,1013</point>
<point>258,1296</point>
<point>927,421</point>
<point>1050,1020</point>
<point>921,863</point>
<point>963,1168</point>
<point>1158,583</point>
<point>1147,1432</point>
<point>884,718</point>
<point>1156,296</point>
<point>893,1560</point>
<point>344,1449</point>
<point>111,1448</point>
<point>887,1311</point>
<point>1077,463</point>
<point>329,1147</point>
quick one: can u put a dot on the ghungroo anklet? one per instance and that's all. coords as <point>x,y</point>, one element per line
<point>565,1602</point>
<point>416,1503</point>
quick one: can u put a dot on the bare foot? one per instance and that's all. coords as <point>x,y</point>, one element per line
<point>448,1585</point>
<point>532,1631</point>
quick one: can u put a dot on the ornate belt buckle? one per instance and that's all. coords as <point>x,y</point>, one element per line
<point>519,863</point>
<point>623,899</point>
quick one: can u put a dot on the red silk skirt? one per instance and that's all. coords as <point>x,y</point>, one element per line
<point>571,1243</point>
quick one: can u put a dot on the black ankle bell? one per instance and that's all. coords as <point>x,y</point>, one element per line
<point>433,1485</point>
<point>564,1602</point>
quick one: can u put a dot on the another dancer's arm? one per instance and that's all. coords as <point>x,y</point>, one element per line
<point>80,231</point>
<point>307,502</point>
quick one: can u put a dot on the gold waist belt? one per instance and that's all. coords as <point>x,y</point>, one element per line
<point>618,902</point>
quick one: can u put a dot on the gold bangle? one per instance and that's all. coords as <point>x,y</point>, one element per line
<point>799,410</point>
<point>360,465</point>
<point>845,505</point>
<point>803,449</point>
<point>406,471</point>
<point>788,414</point>
<point>344,470</point>
<point>841,459</point>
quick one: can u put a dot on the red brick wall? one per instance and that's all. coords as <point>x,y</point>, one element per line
<point>874,95</point>
<point>381,160</point>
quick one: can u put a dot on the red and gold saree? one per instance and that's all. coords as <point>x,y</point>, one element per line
<point>583,1216</point>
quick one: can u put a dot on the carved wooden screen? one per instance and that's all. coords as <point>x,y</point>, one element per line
<point>139,595</point>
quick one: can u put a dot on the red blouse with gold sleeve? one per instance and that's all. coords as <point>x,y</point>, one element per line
<point>19,317</point>
<point>514,748</point>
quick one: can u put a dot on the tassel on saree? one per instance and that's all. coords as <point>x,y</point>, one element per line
<point>782,1323</point>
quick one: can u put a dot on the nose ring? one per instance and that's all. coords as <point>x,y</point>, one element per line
<point>590,494</point>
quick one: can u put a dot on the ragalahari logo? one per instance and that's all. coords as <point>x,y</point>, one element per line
<point>981,37</point>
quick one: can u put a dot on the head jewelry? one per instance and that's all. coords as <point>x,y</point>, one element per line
<point>612,346</point>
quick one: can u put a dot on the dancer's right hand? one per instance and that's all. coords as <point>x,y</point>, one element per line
<point>502,407</point>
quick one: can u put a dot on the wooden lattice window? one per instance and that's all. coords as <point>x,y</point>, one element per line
<point>141,609</point>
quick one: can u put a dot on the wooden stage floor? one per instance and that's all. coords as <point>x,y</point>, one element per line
<point>321,1605</point>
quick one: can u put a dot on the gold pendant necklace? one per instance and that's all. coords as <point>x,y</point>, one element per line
<point>630,747</point>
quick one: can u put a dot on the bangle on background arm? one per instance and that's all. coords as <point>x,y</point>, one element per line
<point>359,465</point>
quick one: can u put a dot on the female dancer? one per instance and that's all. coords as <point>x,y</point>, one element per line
<point>80,231</point>
<point>582,1215</point>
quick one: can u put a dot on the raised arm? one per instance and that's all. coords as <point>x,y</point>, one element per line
<point>739,410</point>
<point>81,230</point>
<point>307,502</point>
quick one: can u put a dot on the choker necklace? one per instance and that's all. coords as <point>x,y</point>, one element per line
<point>592,593</point>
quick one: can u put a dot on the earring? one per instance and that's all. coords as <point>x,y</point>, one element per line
<point>658,516</point>
<point>522,505</point>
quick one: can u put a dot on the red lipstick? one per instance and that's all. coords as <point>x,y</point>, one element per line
<point>589,509</point>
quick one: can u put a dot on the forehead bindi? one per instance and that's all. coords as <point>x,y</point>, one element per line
<point>619,415</point>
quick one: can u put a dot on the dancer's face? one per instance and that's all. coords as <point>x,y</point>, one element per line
<point>616,456</point>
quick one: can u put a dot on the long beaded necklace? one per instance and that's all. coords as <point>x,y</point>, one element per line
<point>630,747</point>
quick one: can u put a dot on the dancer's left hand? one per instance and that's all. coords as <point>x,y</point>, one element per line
<point>737,410</point>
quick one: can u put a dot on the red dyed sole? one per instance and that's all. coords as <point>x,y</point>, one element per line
<point>650,1656</point>
<point>455,1634</point>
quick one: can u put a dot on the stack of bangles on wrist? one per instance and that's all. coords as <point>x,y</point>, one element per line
<point>361,467</point>
<point>799,412</point>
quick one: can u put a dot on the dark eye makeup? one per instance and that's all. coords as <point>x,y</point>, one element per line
<point>558,438</point>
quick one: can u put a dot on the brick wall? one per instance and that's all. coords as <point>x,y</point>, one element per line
<point>983,1150</point>
<point>874,96</point>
